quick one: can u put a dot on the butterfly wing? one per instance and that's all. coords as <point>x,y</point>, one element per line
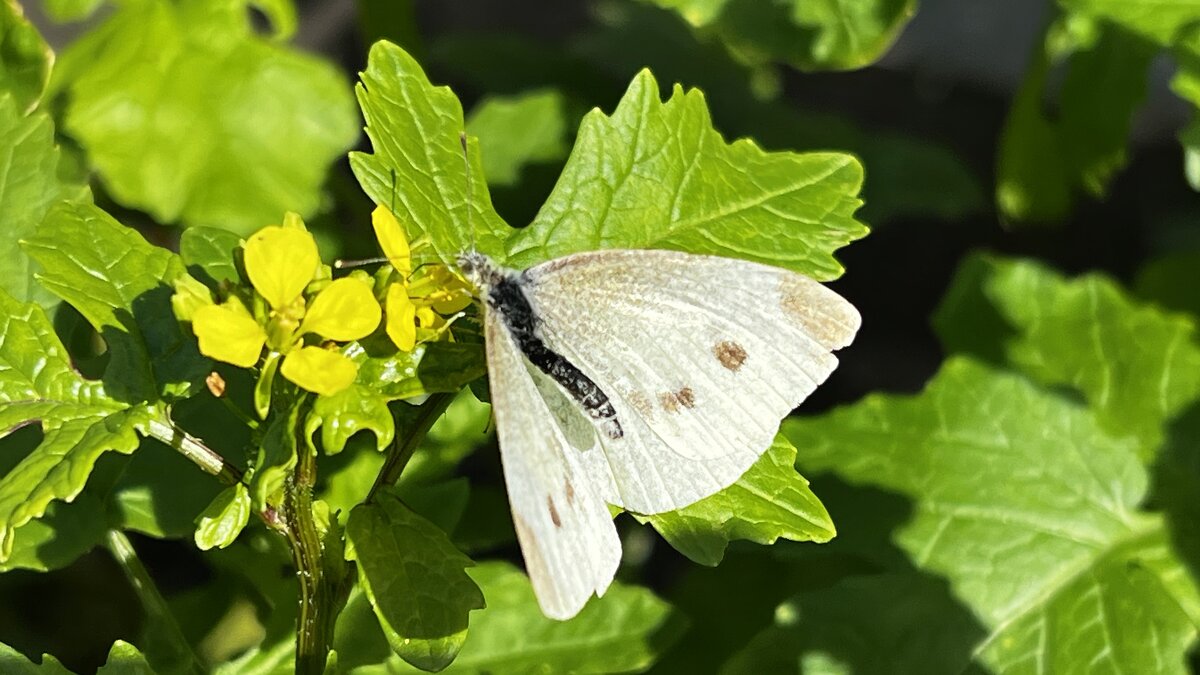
<point>701,357</point>
<point>566,532</point>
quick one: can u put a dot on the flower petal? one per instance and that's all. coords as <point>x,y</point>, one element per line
<point>319,370</point>
<point>401,318</point>
<point>228,333</point>
<point>344,310</point>
<point>392,239</point>
<point>280,262</point>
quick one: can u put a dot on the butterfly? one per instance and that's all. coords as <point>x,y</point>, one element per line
<point>644,379</point>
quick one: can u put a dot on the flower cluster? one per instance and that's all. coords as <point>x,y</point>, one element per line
<point>294,311</point>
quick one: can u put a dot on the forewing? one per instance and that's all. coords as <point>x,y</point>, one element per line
<point>566,532</point>
<point>701,357</point>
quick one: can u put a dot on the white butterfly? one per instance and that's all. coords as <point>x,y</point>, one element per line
<point>645,379</point>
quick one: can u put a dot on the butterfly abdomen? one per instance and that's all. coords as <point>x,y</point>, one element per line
<point>507,297</point>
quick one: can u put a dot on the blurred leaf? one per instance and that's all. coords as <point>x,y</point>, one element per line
<point>211,250</point>
<point>71,10</point>
<point>160,493</point>
<point>1169,282</point>
<point>223,520</point>
<point>656,175</point>
<point>810,35</point>
<point>125,659</point>
<point>888,623</point>
<point>464,425</point>
<point>1044,159</point>
<point>624,631</point>
<point>220,128</point>
<point>348,477</point>
<point>59,537</point>
<point>1153,19</point>
<point>1136,365</point>
<point>517,130</point>
<point>25,58</point>
<point>119,283</point>
<point>1028,509</point>
<point>414,579</point>
<point>770,501</point>
<point>418,162</point>
<point>28,152</point>
<point>430,368</point>
<point>13,662</point>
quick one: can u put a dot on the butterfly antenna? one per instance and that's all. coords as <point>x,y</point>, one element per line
<point>462,140</point>
<point>392,206</point>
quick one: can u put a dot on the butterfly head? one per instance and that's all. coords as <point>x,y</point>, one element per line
<point>479,270</point>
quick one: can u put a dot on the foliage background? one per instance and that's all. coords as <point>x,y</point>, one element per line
<point>1053,134</point>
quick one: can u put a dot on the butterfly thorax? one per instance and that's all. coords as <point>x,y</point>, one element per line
<point>479,269</point>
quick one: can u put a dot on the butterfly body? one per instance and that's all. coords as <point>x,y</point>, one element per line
<point>644,379</point>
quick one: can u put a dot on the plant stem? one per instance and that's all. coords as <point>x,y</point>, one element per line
<point>402,450</point>
<point>157,613</point>
<point>314,621</point>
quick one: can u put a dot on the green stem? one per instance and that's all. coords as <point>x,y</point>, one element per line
<point>402,450</point>
<point>157,612</point>
<point>314,621</point>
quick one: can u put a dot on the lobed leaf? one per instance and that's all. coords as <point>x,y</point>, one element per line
<point>417,167</point>
<point>770,501</point>
<point>125,659</point>
<point>657,175</point>
<point>514,131</point>
<point>1137,365</point>
<point>221,128</point>
<point>1028,508</point>
<point>15,663</point>
<point>415,581</point>
<point>624,631</point>
<point>121,284</point>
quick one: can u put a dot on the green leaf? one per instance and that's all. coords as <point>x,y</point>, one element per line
<point>223,520</point>
<point>340,416</point>
<point>820,35</point>
<point>125,659</point>
<point>1030,511</point>
<point>25,57</point>
<point>770,501</point>
<point>418,167</point>
<point>59,537</point>
<point>1157,20</point>
<point>1166,281</point>
<point>1135,364</point>
<point>71,10</point>
<point>414,579</point>
<point>624,631</point>
<point>430,368</point>
<point>514,131</point>
<point>160,493</point>
<point>121,285</point>
<point>13,662</point>
<point>464,426</point>
<point>276,456</point>
<point>865,625</point>
<point>657,175</point>
<point>220,128</point>
<point>27,154</point>
<point>209,252</point>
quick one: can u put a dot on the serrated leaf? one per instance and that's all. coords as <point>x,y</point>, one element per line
<point>340,416</point>
<point>169,135</point>
<point>770,501</point>
<point>624,631</point>
<point>1137,365</point>
<point>223,520</point>
<point>59,467</point>
<point>29,156</point>
<point>430,368</point>
<point>210,251</point>
<point>1030,511</point>
<point>125,659</point>
<point>514,131</point>
<point>14,662</point>
<point>25,57</point>
<point>821,35</point>
<point>121,284</point>
<point>414,579</point>
<point>657,175</point>
<point>417,167</point>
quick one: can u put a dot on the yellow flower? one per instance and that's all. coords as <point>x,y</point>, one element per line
<point>415,301</point>
<point>280,262</point>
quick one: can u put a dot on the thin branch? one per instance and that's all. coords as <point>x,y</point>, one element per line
<point>402,450</point>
